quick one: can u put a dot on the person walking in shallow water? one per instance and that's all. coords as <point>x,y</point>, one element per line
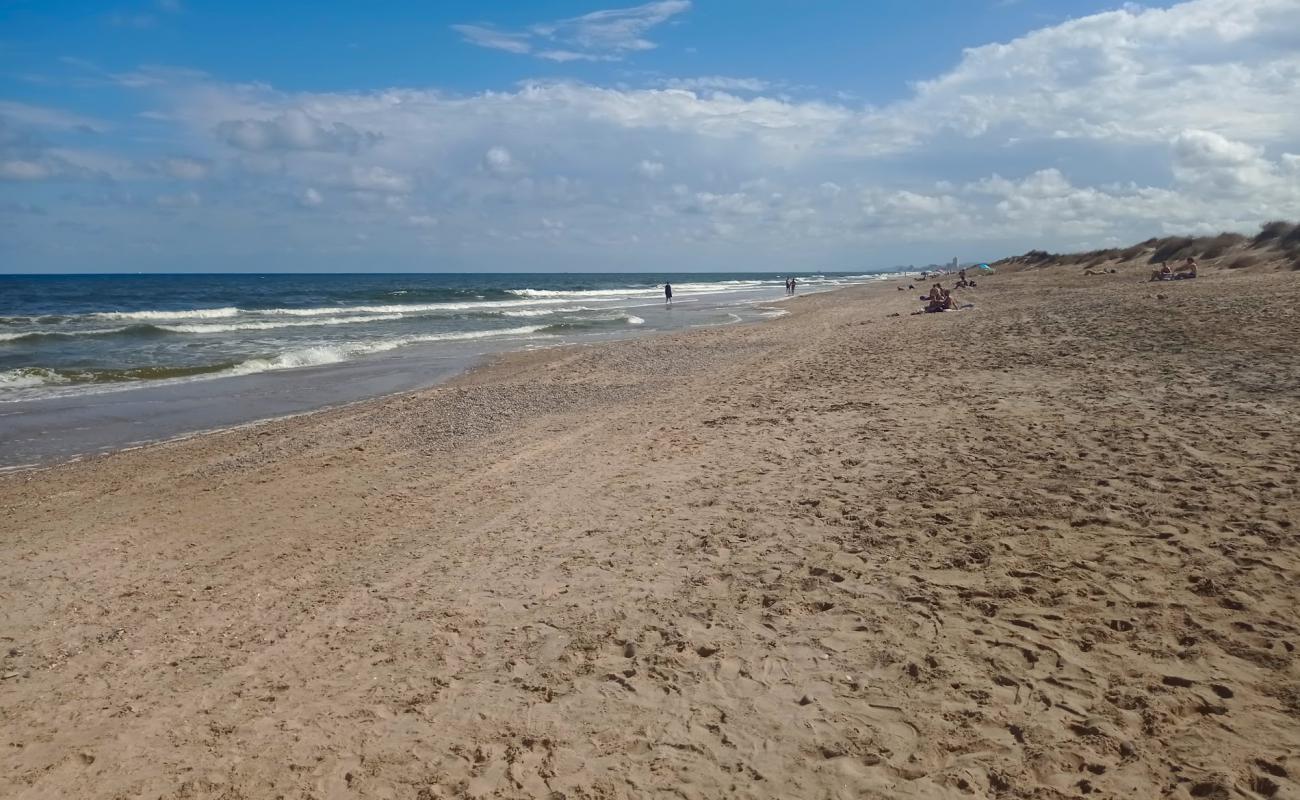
<point>668,294</point>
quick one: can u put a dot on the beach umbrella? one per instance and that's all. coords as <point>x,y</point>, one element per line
<point>986,267</point>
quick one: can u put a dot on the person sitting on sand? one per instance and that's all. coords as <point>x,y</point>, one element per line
<point>938,300</point>
<point>1162,274</point>
<point>1187,270</point>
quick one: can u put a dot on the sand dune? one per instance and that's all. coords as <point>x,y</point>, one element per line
<point>1044,548</point>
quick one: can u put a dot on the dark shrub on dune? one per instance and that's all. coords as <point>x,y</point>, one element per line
<point>1221,244</point>
<point>1291,241</point>
<point>1171,248</point>
<point>1277,246</point>
<point>1133,252</point>
<point>1277,229</point>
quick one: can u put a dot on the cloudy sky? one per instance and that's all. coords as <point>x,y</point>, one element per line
<point>183,135</point>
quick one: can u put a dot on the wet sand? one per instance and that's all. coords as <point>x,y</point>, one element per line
<point>1043,548</point>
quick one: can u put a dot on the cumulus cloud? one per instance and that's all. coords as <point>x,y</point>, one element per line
<point>1135,74</point>
<point>290,130</point>
<point>1110,127</point>
<point>498,161</point>
<point>606,35</point>
<point>1209,161</point>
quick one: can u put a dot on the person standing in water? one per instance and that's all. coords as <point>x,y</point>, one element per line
<point>668,294</point>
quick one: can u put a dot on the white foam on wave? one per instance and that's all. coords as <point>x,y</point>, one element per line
<point>403,308</point>
<point>541,312</point>
<point>634,320</point>
<point>29,377</point>
<point>333,354</point>
<point>645,291</point>
<point>265,326</point>
<point>7,337</point>
<point>193,313</point>
<point>321,311</point>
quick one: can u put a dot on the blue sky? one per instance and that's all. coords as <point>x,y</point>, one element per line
<point>177,135</point>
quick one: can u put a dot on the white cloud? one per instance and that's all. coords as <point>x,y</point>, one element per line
<point>718,83</point>
<point>599,36</point>
<point>293,129</point>
<point>310,198</point>
<point>377,179</point>
<point>1110,127</point>
<point>650,169</point>
<point>1212,162</point>
<point>1132,75</point>
<point>498,161</point>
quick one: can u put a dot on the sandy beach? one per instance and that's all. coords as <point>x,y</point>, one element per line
<point>1043,548</point>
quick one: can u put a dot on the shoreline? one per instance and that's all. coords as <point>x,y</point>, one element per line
<point>484,369</point>
<point>1035,548</point>
<point>131,398</point>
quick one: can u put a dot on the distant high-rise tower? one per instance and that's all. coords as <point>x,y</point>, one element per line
<point>954,262</point>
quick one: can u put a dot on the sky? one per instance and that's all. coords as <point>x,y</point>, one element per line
<point>558,135</point>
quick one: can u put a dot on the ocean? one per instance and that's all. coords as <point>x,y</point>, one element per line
<point>169,354</point>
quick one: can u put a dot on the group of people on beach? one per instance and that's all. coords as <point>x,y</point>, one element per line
<point>940,299</point>
<point>1184,272</point>
<point>790,284</point>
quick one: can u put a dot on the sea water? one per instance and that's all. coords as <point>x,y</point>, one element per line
<point>120,359</point>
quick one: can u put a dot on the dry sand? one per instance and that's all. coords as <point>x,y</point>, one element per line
<point>1041,549</point>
